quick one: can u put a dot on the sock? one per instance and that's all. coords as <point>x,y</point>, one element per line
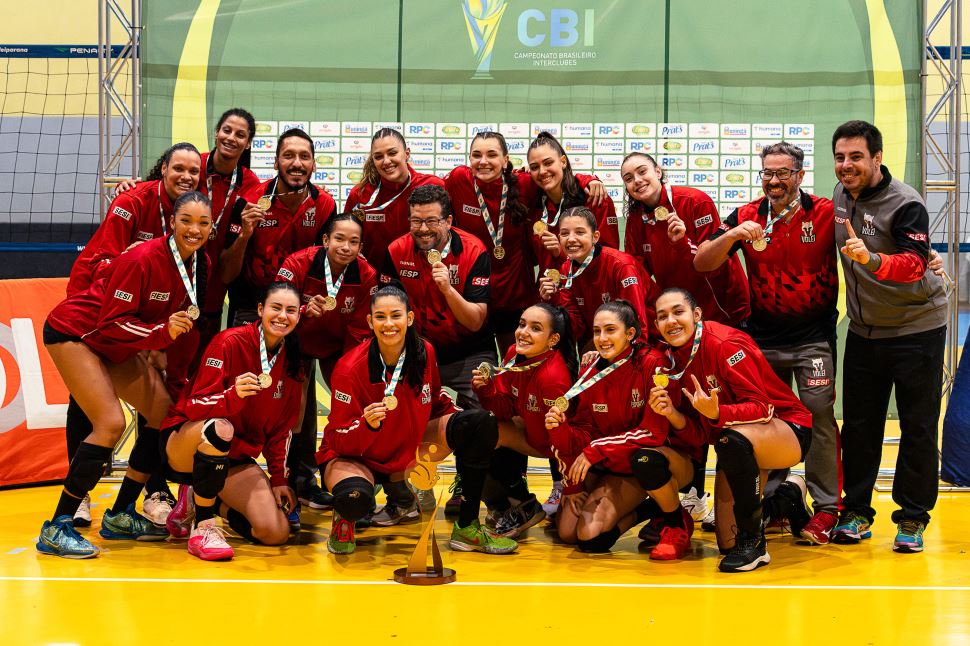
<point>674,518</point>
<point>127,494</point>
<point>472,481</point>
<point>204,512</point>
<point>66,505</point>
<point>647,510</point>
<point>520,490</point>
<point>158,484</point>
<point>239,524</point>
<point>86,469</point>
<point>700,472</point>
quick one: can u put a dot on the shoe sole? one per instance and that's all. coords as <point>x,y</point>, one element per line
<point>145,538</point>
<point>314,505</point>
<point>81,522</point>
<point>518,531</point>
<point>333,551</point>
<point>668,557</point>
<point>465,547</point>
<point>807,537</point>
<point>402,521</point>
<point>761,561</point>
<point>849,539</point>
<point>908,549</point>
<point>49,551</point>
<point>227,557</point>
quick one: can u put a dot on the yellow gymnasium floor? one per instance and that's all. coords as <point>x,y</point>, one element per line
<point>546,593</point>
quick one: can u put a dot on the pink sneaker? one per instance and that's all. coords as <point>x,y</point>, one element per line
<point>208,541</point>
<point>180,519</point>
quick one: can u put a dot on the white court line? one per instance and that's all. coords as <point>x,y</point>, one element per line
<point>508,584</point>
<point>17,550</point>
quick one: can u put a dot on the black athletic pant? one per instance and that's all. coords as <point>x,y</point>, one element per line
<point>301,460</point>
<point>913,364</point>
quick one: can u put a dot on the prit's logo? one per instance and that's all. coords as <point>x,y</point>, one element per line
<point>482,18</point>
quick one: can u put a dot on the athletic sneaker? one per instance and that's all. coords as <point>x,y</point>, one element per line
<point>293,518</point>
<point>59,538</point>
<point>909,536</point>
<point>673,544</point>
<point>392,515</point>
<point>794,492</point>
<point>519,518</point>
<point>157,507</point>
<point>852,528</point>
<point>749,553</point>
<point>651,532</point>
<point>130,525</point>
<point>208,541</point>
<point>341,540</point>
<point>454,503</point>
<point>316,498</point>
<point>82,517</point>
<point>696,505</point>
<point>707,524</point>
<point>474,538</point>
<point>492,516</point>
<point>819,528</point>
<point>426,498</point>
<point>551,505</point>
<point>179,521</point>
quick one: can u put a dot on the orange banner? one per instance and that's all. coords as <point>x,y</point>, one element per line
<point>34,403</point>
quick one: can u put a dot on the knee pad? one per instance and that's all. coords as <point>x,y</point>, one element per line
<point>651,468</point>
<point>211,436</point>
<point>86,468</point>
<point>472,436</point>
<point>734,452</point>
<point>353,498</point>
<point>145,456</point>
<point>600,544</point>
<point>209,474</point>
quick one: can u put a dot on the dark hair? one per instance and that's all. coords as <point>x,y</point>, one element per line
<point>787,149</point>
<point>572,192</point>
<point>370,174</point>
<point>294,356</point>
<point>246,156</point>
<point>677,290</point>
<point>629,204</point>
<point>515,209</point>
<point>293,132</point>
<point>864,129</point>
<point>627,315</point>
<point>431,194</point>
<point>156,171</point>
<point>191,196</point>
<point>417,356</point>
<point>202,268</point>
<point>566,347</point>
<point>581,212</point>
<point>341,217</point>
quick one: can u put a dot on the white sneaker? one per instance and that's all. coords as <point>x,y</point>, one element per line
<point>551,505</point>
<point>82,517</point>
<point>695,505</point>
<point>156,508</point>
<point>208,541</point>
<point>707,524</point>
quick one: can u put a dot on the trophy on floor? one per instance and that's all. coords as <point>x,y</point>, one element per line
<point>423,475</point>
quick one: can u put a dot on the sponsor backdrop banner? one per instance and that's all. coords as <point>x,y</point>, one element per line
<point>702,86</point>
<point>34,399</point>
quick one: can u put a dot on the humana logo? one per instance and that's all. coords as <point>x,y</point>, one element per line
<point>482,18</point>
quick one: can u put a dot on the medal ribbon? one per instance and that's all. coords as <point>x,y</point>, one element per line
<point>447,250</point>
<point>396,377</point>
<point>232,189</point>
<point>161,211</point>
<point>496,238</point>
<point>373,198</point>
<point>584,384</point>
<point>332,287</point>
<point>788,209</point>
<point>511,367</point>
<point>263,355</point>
<point>555,220</point>
<point>693,352</point>
<point>189,283</point>
<point>670,200</point>
<point>582,268</point>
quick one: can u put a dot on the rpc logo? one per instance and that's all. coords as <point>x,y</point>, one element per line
<point>609,131</point>
<point>419,129</point>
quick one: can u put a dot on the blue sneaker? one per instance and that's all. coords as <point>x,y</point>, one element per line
<point>130,525</point>
<point>293,518</point>
<point>59,538</point>
<point>851,529</point>
<point>909,536</point>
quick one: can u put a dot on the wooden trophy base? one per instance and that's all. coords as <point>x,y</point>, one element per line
<point>429,577</point>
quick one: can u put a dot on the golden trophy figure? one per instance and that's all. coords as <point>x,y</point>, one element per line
<point>423,475</point>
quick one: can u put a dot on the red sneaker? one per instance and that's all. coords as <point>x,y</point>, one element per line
<point>819,528</point>
<point>673,545</point>
<point>651,532</point>
<point>180,519</point>
<point>208,542</point>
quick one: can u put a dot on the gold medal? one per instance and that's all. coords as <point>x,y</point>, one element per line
<point>760,244</point>
<point>434,256</point>
<point>661,380</point>
<point>329,303</point>
<point>193,312</point>
<point>485,369</point>
<point>562,404</point>
<point>265,380</point>
<point>661,213</point>
<point>553,275</point>
<point>540,227</point>
<point>499,252</point>
<point>390,402</point>
<point>264,203</point>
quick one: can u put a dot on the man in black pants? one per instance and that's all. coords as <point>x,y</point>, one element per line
<point>897,310</point>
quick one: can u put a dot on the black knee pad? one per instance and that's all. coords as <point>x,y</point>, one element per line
<point>353,498</point>
<point>209,474</point>
<point>734,452</point>
<point>651,468</point>
<point>210,435</point>
<point>86,468</point>
<point>472,436</point>
<point>601,543</point>
<point>145,456</point>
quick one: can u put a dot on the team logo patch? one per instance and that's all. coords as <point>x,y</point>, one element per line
<point>453,272</point>
<point>549,402</point>
<point>611,219</point>
<point>341,397</point>
<point>480,281</point>
<point>213,363</point>
<point>631,280</point>
<point>707,219</point>
<point>532,404</point>
<point>121,213</point>
<point>636,399</point>
<point>601,408</point>
<point>711,382</point>
<point>406,273</point>
<point>279,390</point>
<point>309,218</point>
<point>235,228</point>
<point>426,394</point>
<point>605,296</point>
<point>736,357</point>
<point>144,236</point>
<point>515,391</point>
<point>824,381</point>
<point>580,300</point>
<point>808,232</point>
<point>374,217</point>
<point>285,274</point>
<point>123,296</point>
<point>818,367</point>
<point>268,224</point>
<point>471,210</point>
<point>647,247</point>
<point>918,237</point>
<point>868,226</point>
<point>348,307</point>
<point>159,296</point>
<point>839,220</point>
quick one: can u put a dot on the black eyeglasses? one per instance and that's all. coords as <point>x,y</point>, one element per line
<point>781,173</point>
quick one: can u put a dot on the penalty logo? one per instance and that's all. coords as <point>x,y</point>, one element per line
<point>482,18</point>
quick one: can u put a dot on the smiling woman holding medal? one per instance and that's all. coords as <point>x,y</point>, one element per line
<point>751,417</point>
<point>387,400</point>
<point>243,401</point>
<point>381,197</point>
<point>145,301</point>
<point>609,431</point>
